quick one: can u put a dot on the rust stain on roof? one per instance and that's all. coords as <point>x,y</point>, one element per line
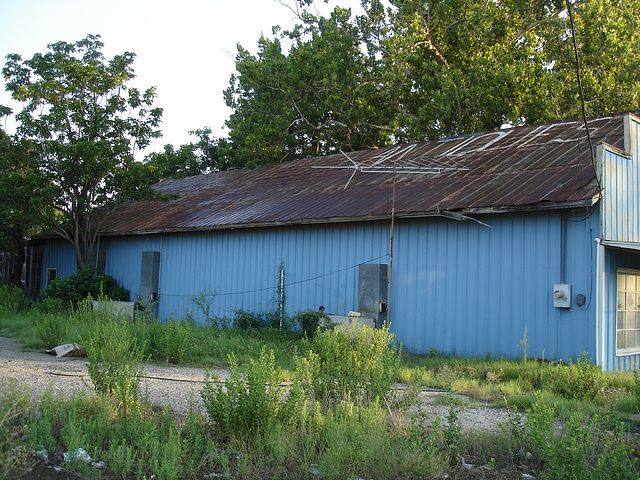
<point>530,166</point>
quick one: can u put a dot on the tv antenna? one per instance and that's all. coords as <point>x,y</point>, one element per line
<point>389,162</point>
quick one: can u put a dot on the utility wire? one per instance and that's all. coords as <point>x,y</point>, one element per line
<point>306,280</point>
<point>584,111</point>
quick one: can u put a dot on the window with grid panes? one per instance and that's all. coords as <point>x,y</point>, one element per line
<point>628,312</point>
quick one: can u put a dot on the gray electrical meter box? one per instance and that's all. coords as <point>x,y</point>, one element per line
<point>562,295</point>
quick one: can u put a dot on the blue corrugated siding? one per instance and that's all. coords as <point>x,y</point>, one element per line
<point>124,259</point>
<point>241,266</point>
<point>58,254</point>
<point>621,182</point>
<point>620,223</point>
<point>459,287</point>
<point>470,290</point>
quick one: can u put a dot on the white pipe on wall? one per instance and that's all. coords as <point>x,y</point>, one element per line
<point>601,308</point>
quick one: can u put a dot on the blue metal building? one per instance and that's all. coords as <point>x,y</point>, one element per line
<point>484,239</point>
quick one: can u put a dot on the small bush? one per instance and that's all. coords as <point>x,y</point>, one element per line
<point>115,359</point>
<point>250,400</point>
<point>582,449</point>
<point>52,329</point>
<point>171,340</point>
<point>48,305</point>
<point>356,362</point>
<point>309,321</point>
<point>13,299</point>
<point>80,285</point>
<point>246,320</point>
<point>581,381</point>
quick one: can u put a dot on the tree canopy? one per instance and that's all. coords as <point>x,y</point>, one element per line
<point>193,158</point>
<point>419,69</point>
<point>86,123</point>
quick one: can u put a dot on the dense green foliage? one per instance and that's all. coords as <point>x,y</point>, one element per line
<point>189,159</point>
<point>87,125</point>
<point>13,299</point>
<point>411,70</point>
<point>309,322</point>
<point>352,362</point>
<point>116,356</point>
<point>77,286</point>
<point>250,400</point>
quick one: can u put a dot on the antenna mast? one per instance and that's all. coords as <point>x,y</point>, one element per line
<point>389,162</point>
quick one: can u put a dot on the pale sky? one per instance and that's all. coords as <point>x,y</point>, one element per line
<point>185,48</point>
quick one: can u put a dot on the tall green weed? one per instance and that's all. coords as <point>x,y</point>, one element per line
<point>579,450</point>
<point>581,380</point>
<point>355,362</point>
<point>170,340</point>
<point>15,408</point>
<point>13,299</point>
<point>52,329</point>
<point>250,400</point>
<point>116,358</point>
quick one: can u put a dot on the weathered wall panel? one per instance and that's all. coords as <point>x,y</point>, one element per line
<point>241,267</point>
<point>459,287</point>
<point>621,182</point>
<point>124,259</point>
<point>58,254</point>
<point>467,289</point>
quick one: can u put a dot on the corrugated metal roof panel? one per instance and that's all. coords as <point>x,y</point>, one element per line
<point>518,167</point>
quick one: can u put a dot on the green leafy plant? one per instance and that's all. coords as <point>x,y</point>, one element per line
<point>52,329</point>
<point>171,340</point>
<point>356,362</point>
<point>581,381</point>
<point>309,321</point>
<point>250,400</point>
<point>15,408</point>
<point>453,438</point>
<point>636,390</point>
<point>580,449</point>
<point>49,305</point>
<point>115,359</point>
<point>246,320</point>
<point>204,302</point>
<point>13,299</point>
<point>80,285</point>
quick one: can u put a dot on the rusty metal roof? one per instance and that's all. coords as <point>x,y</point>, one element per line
<point>535,166</point>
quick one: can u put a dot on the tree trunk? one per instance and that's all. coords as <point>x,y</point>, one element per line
<point>81,256</point>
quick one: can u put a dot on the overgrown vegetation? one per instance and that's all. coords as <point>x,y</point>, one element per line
<point>77,286</point>
<point>307,406</point>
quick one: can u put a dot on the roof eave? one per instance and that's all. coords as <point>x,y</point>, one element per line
<point>369,218</point>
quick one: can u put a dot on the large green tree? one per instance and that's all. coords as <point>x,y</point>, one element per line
<point>461,66</point>
<point>193,158</point>
<point>323,94</point>
<point>417,69</point>
<point>87,124</point>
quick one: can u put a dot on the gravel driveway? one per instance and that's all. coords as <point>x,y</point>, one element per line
<point>179,386</point>
<point>175,386</point>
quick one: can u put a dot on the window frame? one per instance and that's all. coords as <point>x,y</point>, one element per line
<point>622,308</point>
<point>49,278</point>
